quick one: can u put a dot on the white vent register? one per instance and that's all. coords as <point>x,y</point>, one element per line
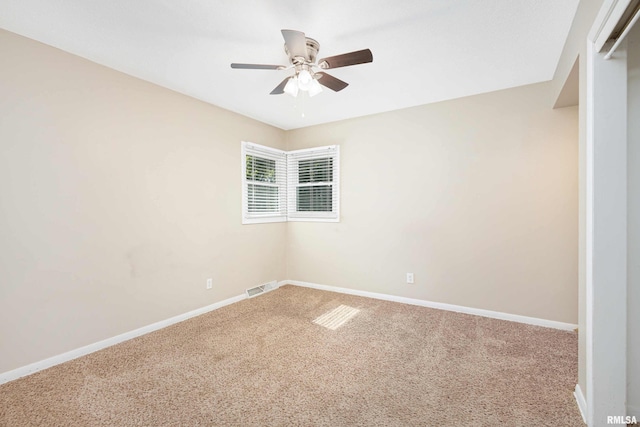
<point>261,289</point>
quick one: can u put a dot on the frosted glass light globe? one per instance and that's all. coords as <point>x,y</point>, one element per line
<point>291,87</point>
<point>304,79</point>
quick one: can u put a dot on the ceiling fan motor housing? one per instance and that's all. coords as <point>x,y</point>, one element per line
<point>313,47</point>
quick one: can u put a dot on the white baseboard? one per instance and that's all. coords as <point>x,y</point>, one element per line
<point>438,305</point>
<point>82,351</point>
<point>73,354</point>
<point>581,401</point>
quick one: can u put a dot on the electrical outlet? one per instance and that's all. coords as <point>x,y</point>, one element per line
<point>209,283</point>
<point>409,277</point>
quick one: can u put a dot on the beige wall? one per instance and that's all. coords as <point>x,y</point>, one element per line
<point>118,199</point>
<point>476,196</point>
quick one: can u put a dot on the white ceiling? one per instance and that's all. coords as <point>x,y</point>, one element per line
<point>424,50</point>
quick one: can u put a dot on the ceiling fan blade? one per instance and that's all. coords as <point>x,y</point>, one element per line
<point>258,66</point>
<point>352,58</point>
<point>331,82</point>
<point>296,43</point>
<point>280,88</point>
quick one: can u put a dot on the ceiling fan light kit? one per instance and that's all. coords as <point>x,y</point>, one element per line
<point>292,87</point>
<point>303,81</point>
<point>314,88</point>
<point>302,52</point>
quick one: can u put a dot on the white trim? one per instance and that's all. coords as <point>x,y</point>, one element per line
<point>622,36</point>
<point>439,305</point>
<point>582,404</point>
<point>314,219</point>
<point>82,351</point>
<point>606,21</point>
<point>263,220</point>
<point>314,150</point>
<point>606,257</point>
<point>270,152</point>
<point>589,233</point>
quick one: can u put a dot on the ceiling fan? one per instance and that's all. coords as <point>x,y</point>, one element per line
<point>302,52</point>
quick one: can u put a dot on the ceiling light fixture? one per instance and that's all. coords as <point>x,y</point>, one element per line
<point>314,88</point>
<point>292,86</point>
<point>302,52</point>
<point>304,81</point>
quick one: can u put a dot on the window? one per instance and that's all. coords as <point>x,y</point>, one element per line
<point>301,185</point>
<point>313,184</point>
<point>264,190</point>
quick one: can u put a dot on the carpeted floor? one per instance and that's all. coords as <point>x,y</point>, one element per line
<point>264,362</point>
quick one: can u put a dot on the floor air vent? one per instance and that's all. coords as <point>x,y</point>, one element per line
<point>259,290</point>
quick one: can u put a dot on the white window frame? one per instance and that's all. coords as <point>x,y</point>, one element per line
<point>287,183</point>
<point>293,159</point>
<point>280,213</point>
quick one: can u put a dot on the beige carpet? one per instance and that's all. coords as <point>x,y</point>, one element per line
<point>263,362</point>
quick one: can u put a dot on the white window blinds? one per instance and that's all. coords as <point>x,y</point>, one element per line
<point>301,185</point>
<point>264,184</point>
<point>313,184</point>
